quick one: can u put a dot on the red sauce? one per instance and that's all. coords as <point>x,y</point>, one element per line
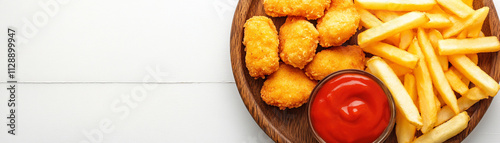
<point>350,108</point>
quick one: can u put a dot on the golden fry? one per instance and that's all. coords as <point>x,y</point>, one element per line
<point>393,54</point>
<point>446,113</point>
<point>288,87</point>
<point>437,21</point>
<point>406,39</point>
<point>386,16</point>
<point>475,28</point>
<point>397,5</point>
<point>368,20</point>
<point>405,132</point>
<point>474,74</point>
<point>405,22</point>
<point>327,61</point>
<point>473,57</point>
<point>457,7</point>
<point>461,24</point>
<point>476,93</point>
<point>468,46</point>
<point>445,131</point>
<point>298,41</point>
<point>399,70</point>
<point>339,23</point>
<point>436,72</point>
<point>457,84</point>
<point>261,46</point>
<point>426,97</point>
<point>434,37</point>
<point>465,80</point>
<point>313,9</point>
<point>411,86</point>
<point>401,97</point>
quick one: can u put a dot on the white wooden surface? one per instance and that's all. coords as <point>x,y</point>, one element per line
<point>152,71</point>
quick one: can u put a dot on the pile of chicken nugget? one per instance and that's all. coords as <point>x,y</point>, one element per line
<point>289,58</point>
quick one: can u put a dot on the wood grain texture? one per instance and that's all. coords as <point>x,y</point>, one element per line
<point>291,125</point>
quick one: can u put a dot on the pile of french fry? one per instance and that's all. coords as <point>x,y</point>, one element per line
<point>414,42</point>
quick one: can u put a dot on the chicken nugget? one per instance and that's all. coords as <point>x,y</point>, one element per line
<point>339,23</point>
<point>311,9</point>
<point>333,59</point>
<point>298,41</point>
<point>288,87</point>
<point>261,46</point>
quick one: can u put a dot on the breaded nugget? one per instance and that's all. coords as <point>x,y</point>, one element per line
<point>288,87</point>
<point>261,46</point>
<point>334,59</point>
<point>311,9</point>
<point>298,41</point>
<point>339,23</point>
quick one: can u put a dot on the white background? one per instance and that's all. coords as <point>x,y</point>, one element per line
<point>151,71</point>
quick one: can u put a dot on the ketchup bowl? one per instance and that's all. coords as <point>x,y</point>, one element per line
<point>351,106</point>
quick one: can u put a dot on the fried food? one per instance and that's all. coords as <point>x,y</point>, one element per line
<point>334,59</point>
<point>261,46</point>
<point>298,41</point>
<point>311,9</point>
<point>288,87</point>
<point>339,23</point>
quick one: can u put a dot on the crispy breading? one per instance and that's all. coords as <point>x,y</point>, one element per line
<point>311,9</point>
<point>288,87</point>
<point>339,23</point>
<point>298,41</point>
<point>261,46</point>
<point>333,59</point>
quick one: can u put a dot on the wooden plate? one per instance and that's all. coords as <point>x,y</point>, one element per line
<point>291,125</point>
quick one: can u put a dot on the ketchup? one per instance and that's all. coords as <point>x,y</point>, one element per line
<point>350,108</point>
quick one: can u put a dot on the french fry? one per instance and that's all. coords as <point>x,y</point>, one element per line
<point>462,35</point>
<point>461,24</point>
<point>475,28</point>
<point>474,74</point>
<point>437,21</point>
<point>401,97</point>
<point>405,22</point>
<point>386,16</point>
<point>438,102</point>
<point>457,7</point>
<point>437,10</point>
<point>426,97</point>
<point>368,20</point>
<point>476,93</point>
<point>468,2</point>
<point>398,69</point>
<point>446,113</point>
<point>457,84</point>
<point>410,85</point>
<point>405,132</point>
<point>436,72</point>
<point>445,131</point>
<point>406,38</point>
<point>468,46</point>
<point>400,5</point>
<point>473,57</point>
<point>392,53</point>
<point>434,37</point>
<point>465,80</point>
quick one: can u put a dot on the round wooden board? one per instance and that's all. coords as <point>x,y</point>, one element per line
<point>291,125</point>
